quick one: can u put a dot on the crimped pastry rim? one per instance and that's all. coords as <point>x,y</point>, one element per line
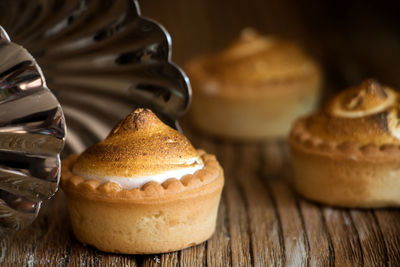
<point>210,177</point>
<point>302,138</point>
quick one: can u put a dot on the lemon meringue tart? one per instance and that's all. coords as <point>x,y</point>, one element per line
<point>254,89</point>
<point>144,189</point>
<point>348,154</point>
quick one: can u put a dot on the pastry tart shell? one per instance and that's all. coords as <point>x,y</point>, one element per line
<point>155,218</point>
<point>254,112</point>
<point>344,173</point>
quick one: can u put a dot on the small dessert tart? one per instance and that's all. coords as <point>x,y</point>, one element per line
<point>254,89</point>
<point>348,154</point>
<point>142,190</point>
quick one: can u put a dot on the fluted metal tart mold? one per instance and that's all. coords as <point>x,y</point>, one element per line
<point>32,133</point>
<point>102,59</point>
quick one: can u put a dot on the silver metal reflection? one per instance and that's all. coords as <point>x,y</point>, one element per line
<point>102,59</point>
<point>32,133</point>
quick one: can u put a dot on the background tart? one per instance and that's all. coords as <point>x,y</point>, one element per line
<point>348,153</point>
<point>254,88</point>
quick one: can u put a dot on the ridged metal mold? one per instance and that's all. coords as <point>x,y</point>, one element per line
<point>101,59</point>
<point>32,133</point>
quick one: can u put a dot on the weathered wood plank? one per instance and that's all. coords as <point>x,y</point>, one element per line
<point>237,209</point>
<point>276,173</point>
<point>218,249</point>
<point>5,244</point>
<point>294,235</point>
<point>22,251</point>
<point>56,233</point>
<point>389,224</point>
<point>265,226</point>
<point>195,256</point>
<point>371,239</point>
<point>170,259</point>
<point>321,250</point>
<point>149,260</point>
<point>345,239</point>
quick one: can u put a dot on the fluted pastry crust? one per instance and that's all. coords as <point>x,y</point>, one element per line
<point>155,218</point>
<point>348,154</point>
<point>254,88</point>
<point>211,175</point>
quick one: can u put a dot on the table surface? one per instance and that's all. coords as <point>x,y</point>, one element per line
<point>261,219</point>
<point>261,222</point>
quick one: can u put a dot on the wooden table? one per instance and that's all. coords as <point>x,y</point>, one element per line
<point>261,222</point>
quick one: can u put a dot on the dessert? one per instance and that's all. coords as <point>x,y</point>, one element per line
<point>254,89</point>
<point>348,154</point>
<point>142,190</point>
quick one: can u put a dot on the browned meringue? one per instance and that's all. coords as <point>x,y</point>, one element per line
<point>140,149</point>
<point>253,61</point>
<point>364,114</point>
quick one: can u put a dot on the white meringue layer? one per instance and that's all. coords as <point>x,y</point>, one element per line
<point>139,181</point>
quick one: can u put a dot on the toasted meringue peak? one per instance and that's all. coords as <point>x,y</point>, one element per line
<point>256,59</point>
<point>140,148</point>
<point>365,114</point>
<point>368,98</point>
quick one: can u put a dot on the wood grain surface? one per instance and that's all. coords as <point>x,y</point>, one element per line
<point>261,220</point>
